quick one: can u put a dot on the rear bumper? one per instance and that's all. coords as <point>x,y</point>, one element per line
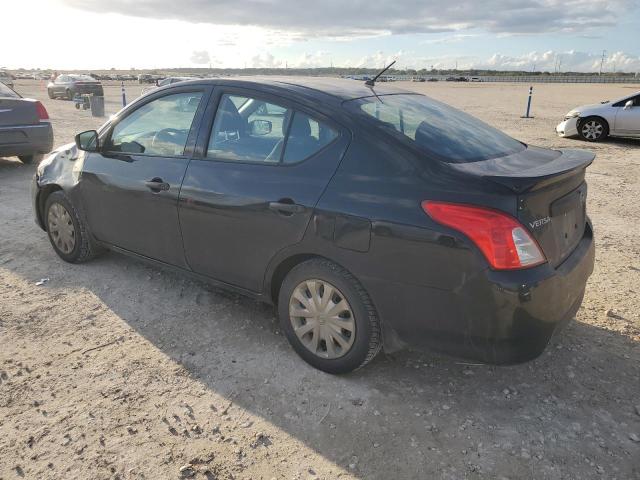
<point>26,139</point>
<point>86,90</point>
<point>568,128</point>
<point>495,317</point>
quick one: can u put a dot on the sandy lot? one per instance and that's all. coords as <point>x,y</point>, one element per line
<point>117,370</point>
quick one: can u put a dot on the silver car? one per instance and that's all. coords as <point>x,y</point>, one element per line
<point>7,79</point>
<point>25,129</point>
<point>620,118</point>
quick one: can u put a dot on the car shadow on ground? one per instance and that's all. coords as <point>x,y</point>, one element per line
<point>557,415</point>
<point>426,412</point>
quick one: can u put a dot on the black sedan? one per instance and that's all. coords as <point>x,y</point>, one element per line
<point>370,216</point>
<point>67,86</point>
<point>25,129</point>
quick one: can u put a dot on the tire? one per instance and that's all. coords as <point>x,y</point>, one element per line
<point>84,247</point>
<point>357,346</point>
<point>593,129</point>
<point>50,93</point>
<point>28,159</point>
<point>69,94</point>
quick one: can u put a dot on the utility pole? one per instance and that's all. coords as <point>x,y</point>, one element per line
<point>604,55</point>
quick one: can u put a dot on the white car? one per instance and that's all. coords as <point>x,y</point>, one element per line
<point>620,118</point>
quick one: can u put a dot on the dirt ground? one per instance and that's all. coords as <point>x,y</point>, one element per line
<point>117,370</point>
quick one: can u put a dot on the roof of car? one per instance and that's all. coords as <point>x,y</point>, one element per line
<point>338,88</point>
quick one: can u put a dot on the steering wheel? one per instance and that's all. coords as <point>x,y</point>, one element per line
<point>166,135</point>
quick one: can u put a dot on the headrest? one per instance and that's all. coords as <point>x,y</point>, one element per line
<point>300,126</point>
<point>230,119</point>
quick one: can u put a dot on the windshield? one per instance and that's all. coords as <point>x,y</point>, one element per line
<point>6,92</point>
<point>439,130</point>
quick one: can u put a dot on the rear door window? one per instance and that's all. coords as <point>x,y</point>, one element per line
<point>307,136</point>
<point>248,129</point>
<point>254,130</point>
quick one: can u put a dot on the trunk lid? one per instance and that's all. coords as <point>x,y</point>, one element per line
<point>551,193</point>
<point>18,111</point>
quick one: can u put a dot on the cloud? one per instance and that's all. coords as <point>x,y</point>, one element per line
<point>571,60</point>
<point>337,18</point>
<point>200,57</point>
<point>265,60</point>
<point>574,61</point>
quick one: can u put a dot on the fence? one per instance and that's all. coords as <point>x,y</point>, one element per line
<point>527,78</point>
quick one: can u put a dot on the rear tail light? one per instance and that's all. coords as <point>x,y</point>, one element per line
<point>501,238</point>
<point>42,112</point>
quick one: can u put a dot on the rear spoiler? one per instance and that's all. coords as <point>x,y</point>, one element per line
<point>530,169</point>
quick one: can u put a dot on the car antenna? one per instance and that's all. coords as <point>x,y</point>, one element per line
<point>372,82</point>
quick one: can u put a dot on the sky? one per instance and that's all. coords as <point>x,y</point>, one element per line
<point>544,35</point>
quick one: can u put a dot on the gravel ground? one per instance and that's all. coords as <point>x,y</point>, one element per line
<point>118,370</point>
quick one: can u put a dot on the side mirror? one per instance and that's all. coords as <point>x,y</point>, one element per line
<point>260,127</point>
<point>628,105</point>
<point>87,141</point>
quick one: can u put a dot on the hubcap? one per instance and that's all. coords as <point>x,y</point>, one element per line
<point>592,130</point>
<point>322,319</point>
<point>61,228</point>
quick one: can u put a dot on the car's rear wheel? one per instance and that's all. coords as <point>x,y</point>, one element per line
<point>69,94</point>
<point>328,317</point>
<point>593,129</point>
<point>67,232</point>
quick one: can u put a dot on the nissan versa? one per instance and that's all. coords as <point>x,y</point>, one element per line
<point>370,216</point>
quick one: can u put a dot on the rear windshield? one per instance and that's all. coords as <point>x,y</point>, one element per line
<point>6,92</point>
<point>82,78</point>
<point>439,130</point>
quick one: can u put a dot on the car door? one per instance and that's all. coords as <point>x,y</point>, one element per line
<point>130,188</point>
<point>262,165</point>
<point>628,119</point>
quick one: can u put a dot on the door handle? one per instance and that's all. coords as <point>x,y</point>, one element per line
<point>157,185</point>
<point>286,207</point>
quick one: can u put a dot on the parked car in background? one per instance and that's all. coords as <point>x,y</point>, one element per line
<point>369,215</point>
<point>432,79</point>
<point>68,85</point>
<point>25,130</point>
<point>7,79</point>
<point>145,78</point>
<point>620,118</point>
<point>476,79</point>
<point>172,80</point>
<point>418,79</point>
<point>163,82</point>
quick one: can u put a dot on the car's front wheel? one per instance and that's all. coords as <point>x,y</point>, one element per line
<point>50,93</point>
<point>328,317</point>
<point>593,129</point>
<point>67,232</point>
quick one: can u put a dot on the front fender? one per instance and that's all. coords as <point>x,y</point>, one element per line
<point>60,170</point>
